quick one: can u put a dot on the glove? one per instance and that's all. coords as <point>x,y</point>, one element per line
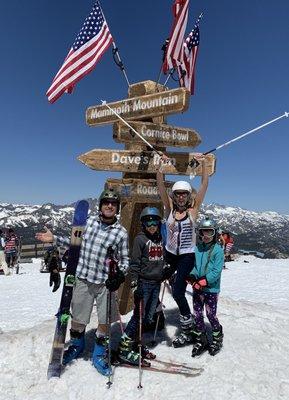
<point>167,272</point>
<point>200,283</point>
<point>114,282</point>
<point>54,279</point>
<point>137,290</point>
<point>191,279</point>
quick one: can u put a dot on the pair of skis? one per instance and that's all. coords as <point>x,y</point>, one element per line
<point>78,226</point>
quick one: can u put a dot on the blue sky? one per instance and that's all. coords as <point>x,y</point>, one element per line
<point>241,82</point>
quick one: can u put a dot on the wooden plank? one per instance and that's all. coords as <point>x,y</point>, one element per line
<point>156,134</point>
<point>143,162</point>
<point>139,190</point>
<point>145,87</point>
<point>151,105</point>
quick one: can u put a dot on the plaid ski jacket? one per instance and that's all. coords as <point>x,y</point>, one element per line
<point>97,238</point>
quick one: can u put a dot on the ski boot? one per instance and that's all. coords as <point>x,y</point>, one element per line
<point>146,353</point>
<point>217,342</point>
<point>76,347</point>
<point>200,345</point>
<point>127,352</point>
<point>187,334</point>
<point>99,356</point>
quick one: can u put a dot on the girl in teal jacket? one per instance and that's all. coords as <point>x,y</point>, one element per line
<point>205,279</point>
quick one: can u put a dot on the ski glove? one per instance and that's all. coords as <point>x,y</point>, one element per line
<point>113,283</point>
<point>200,283</point>
<point>191,279</point>
<point>137,290</point>
<point>54,280</point>
<point>167,272</point>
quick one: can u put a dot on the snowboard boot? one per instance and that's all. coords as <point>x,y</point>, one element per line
<point>99,356</point>
<point>127,352</point>
<point>76,347</point>
<point>217,341</point>
<point>200,345</point>
<point>187,334</point>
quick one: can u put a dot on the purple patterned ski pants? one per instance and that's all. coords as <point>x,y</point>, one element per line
<point>210,301</point>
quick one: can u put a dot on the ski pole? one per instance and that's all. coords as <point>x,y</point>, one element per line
<point>194,163</point>
<point>158,318</point>
<point>111,273</point>
<point>135,131</point>
<point>140,343</point>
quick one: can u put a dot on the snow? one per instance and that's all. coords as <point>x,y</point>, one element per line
<point>253,363</point>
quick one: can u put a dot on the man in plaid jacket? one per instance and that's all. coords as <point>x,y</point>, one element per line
<point>92,283</point>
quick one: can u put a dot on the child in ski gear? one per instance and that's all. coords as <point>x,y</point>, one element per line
<point>181,211</point>
<point>205,278</point>
<point>100,233</point>
<point>146,269</point>
<point>3,263</point>
<point>229,243</point>
<point>11,245</point>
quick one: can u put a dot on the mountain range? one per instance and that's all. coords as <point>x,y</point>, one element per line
<point>265,232</point>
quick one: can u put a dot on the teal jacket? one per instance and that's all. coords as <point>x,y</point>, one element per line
<point>211,270</point>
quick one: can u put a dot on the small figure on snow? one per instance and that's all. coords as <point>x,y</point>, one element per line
<point>181,212</point>
<point>11,248</point>
<point>92,282</point>
<point>147,272</point>
<point>205,278</point>
<point>3,263</point>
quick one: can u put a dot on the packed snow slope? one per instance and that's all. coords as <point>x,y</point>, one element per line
<point>253,364</point>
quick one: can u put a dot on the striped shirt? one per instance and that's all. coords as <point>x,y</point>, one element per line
<point>97,237</point>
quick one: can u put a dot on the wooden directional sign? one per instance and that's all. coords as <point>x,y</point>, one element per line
<point>140,190</point>
<point>157,134</point>
<point>142,162</point>
<point>151,105</point>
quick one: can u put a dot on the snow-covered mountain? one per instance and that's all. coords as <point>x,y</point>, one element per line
<point>267,232</point>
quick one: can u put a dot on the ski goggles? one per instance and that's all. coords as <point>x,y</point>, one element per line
<point>208,233</point>
<point>151,222</point>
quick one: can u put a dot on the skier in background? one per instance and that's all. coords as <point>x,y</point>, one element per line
<point>205,278</point>
<point>11,248</point>
<point>3,263</point>
<point>92,281</point>
<point>53,265</point>
<point>181,212</point>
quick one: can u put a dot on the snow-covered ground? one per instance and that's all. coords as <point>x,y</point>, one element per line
<point>254,362</point>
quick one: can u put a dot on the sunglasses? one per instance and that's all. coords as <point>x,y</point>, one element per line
<point>107,202</point>
<point>152,222</point>
<point>209,233</point>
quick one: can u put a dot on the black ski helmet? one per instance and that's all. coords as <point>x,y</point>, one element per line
<point>150,213</point>
<point>109,194</point>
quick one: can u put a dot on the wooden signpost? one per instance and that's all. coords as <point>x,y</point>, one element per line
<point>146,109</point>
<point>143,162</point>
<point>150,105</point>
<point>157,134</point>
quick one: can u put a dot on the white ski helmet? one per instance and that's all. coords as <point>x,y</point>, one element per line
<point>182,186</point>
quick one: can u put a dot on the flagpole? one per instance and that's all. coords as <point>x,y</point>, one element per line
<point>119,62</point>
<point>117,59</point>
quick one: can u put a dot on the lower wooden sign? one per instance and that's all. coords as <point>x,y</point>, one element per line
<point>143,162</point>
<point>140,190</point>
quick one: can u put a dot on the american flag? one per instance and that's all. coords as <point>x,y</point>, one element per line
<point>174,50</point>
<point>90,44</point>
<point>186,69</point>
